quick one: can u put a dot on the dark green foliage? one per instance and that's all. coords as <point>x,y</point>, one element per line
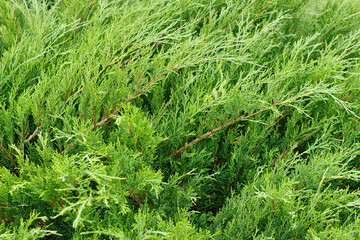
<point>178,119</point>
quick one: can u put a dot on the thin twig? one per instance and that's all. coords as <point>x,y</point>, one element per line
<point>116,110</point>
<point>132,136</point>
<point>9,155</point>
<point>230,25</point>
<point>267,129</point>
<point>40,106</point>
<point>131,192</point>
<point>3,203</point>
<point>297,145</point>
<point>83,15</point>
<point>33,135</point>
<point>217,11</point>
<point>167,104</point>
<point>125,62</point>
<point>67,91</point>
<point>210,133</point>
<point>95,109</point>
<point>86,103</point>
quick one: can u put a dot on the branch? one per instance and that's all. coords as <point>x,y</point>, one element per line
<point>9,155</point>
<point>167,104</point>
<point>297,145</point>
<point>83,15</point>
<point>265,133</point>
<point>207,17</point>
<point>37,130</point>
<point>136,95</point>
<point>118,59</point>
<point>132,135</point>
<point>230,25</point>
<point>3,203</point>
<point>210,133</point>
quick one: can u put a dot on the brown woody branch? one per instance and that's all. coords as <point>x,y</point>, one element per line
<point>116,110</point>
<point>3,203</point>
<point>207,18</point>
<point>118,59</point>
<point>167,104</point>
<point>132,136</point>
<point>297,145</point>
<point>131,192</point>
<point>230,25</point>
<point>33,135</point>
<point>267,129</point>
<point>210,133</point>
<point>9,155</point>
<point>83,15</point>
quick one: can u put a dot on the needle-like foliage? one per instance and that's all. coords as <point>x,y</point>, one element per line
<point>179,119</point>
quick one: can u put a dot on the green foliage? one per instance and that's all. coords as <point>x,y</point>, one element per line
<point>179,119</point>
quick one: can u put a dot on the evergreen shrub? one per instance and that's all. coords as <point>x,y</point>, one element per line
<point>179,119</point>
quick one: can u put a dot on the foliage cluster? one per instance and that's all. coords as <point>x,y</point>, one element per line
<point>179,119</point>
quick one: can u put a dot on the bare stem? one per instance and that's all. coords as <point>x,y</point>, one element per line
<point>297,145</point>
<point>37,130</point>
<point>210,133</point>
<point>116,110</point>
<point>9,155</point>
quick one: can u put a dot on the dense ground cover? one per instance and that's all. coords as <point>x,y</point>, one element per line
<point>179,119</point>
